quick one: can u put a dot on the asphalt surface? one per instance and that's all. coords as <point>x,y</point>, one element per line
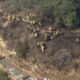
<point>13,71</point>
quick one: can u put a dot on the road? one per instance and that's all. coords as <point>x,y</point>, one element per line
<point>12,71</point>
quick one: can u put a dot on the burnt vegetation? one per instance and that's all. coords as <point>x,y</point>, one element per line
<point>53,40</point>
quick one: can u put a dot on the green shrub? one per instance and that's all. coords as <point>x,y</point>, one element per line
<point>3,76</point>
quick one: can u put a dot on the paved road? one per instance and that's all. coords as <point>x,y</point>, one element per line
<point>12,71</point>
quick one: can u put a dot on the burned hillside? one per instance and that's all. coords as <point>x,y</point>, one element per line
<point>61,51</point>
<point>46,37</point>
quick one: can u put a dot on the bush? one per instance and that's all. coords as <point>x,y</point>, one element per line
<point>3,76</point>
<point>22,50</point>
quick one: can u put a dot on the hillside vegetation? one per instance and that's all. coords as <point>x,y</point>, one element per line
<point>45,34</point>
<point>63,12</point>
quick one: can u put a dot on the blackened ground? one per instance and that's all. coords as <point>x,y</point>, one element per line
<point>62,52</point>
